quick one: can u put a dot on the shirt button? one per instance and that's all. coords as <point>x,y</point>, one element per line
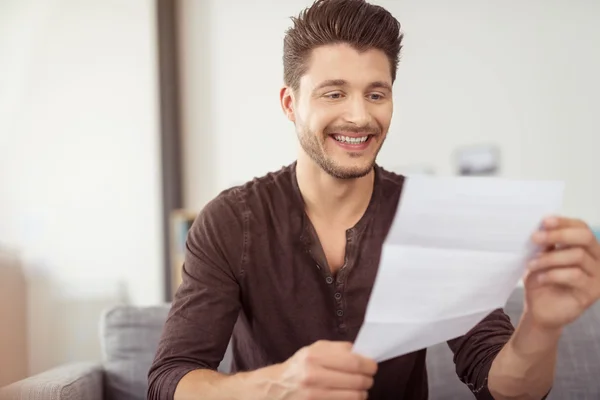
<point>338,295</point>
<point>329,280</point>
<point>340,313</point>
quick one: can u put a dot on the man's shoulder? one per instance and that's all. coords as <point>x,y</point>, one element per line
<point>272,183</point>
<point>272,187</point>
<point>391,182</point>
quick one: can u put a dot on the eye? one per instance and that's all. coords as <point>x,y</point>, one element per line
<point>333,95</point>
<point>375,96</point>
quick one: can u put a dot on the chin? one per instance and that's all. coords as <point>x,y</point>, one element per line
<point>341,171</point>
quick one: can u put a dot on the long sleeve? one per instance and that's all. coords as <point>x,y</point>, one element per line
<point>475,351</point>
<point>207,303</point>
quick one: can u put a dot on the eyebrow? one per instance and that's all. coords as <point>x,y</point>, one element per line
<point>341,82</point>
<point>380,85</point>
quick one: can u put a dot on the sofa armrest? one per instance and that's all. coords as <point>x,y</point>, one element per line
<point>77,381</point>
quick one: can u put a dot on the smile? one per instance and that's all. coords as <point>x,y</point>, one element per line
<point>351,140</point>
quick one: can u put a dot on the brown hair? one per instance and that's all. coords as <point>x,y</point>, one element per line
<point>362,25</point>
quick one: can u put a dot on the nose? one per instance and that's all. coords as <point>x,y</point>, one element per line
<point>358,112</point>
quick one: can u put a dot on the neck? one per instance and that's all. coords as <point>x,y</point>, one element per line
<point>335,201</point>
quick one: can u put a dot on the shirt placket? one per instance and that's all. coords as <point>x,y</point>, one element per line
<point>339,288</point>
<point>336,285</point>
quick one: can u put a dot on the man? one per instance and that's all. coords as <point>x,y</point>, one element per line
<point>287,262</point>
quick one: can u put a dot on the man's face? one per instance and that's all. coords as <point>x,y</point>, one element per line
<point>343,109</point>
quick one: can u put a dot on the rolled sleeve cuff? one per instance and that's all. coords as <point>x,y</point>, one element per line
<point>164,385</point>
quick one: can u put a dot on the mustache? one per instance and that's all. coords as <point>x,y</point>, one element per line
<point>359,130</point>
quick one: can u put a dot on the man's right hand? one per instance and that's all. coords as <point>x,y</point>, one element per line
<point>322,371</point>
<point>325,370</point>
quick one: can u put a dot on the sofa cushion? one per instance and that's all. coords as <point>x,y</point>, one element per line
<point>577,368</point>
<point>129,337</point>
<point>578,364</point>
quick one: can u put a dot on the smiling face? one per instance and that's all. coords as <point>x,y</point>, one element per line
<point>342,108</point>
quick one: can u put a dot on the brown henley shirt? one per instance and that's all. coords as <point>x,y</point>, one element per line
<point>255,269</point>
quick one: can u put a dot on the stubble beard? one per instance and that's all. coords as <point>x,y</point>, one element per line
<point>311,146</point>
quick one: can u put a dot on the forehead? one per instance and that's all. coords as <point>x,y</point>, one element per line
<point>341,61</point>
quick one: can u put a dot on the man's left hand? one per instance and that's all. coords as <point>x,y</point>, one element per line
<point>564,280</point>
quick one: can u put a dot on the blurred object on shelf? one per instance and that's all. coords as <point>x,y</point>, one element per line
<point>478,160</point>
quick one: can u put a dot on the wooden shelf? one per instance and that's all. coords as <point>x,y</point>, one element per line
<point>181,222</point>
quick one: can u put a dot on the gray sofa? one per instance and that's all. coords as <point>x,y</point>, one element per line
<point>130,335</point>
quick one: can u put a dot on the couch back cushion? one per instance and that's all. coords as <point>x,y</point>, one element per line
<point>578,364</point>
<point>129,337</point>
<point>577,370</point>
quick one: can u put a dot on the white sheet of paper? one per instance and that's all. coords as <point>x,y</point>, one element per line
<point>455,252</point>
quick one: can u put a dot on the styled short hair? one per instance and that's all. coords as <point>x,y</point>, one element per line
<point>357,23</point>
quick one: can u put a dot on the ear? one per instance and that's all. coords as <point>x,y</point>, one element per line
<point>286,98</point>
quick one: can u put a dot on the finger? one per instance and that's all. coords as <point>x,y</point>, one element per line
<point>573,256</point>
<point>324,394</point>
<point>351,363</point>
<point>556,222</point>
<point>348,362</point>
<point>571,277</point>
<point>568,237</point>
<point>327,345</point>
<point>332,379</point>
<point>339,356</point>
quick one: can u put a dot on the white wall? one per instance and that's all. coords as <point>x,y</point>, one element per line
<point>80,163</point>
<point>522,75</point>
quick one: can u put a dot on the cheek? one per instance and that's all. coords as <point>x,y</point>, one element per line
<point>318,120</point>
<point>383,116</point>
<point>325,117</point>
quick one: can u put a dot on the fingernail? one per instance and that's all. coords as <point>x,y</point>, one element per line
<point>533,263</point>
<point>541,278</point>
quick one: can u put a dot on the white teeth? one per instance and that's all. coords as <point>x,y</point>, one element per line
<point>351,140</point>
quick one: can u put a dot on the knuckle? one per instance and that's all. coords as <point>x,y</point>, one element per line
<point>302,353</point>
<point>554,237</point>
<point>555,276</point>
<point>370,368</point>
<point>309,357</point>
<point>305,357</point>
<point>367,382</point>
<point>585,300</point>
<point>319,345</point>
<point>579,275</point>
<point>588,237</point>
<point>307,379</point>
<point>579,256</point>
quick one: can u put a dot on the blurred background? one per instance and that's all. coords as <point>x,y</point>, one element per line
<point>119,120</point>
